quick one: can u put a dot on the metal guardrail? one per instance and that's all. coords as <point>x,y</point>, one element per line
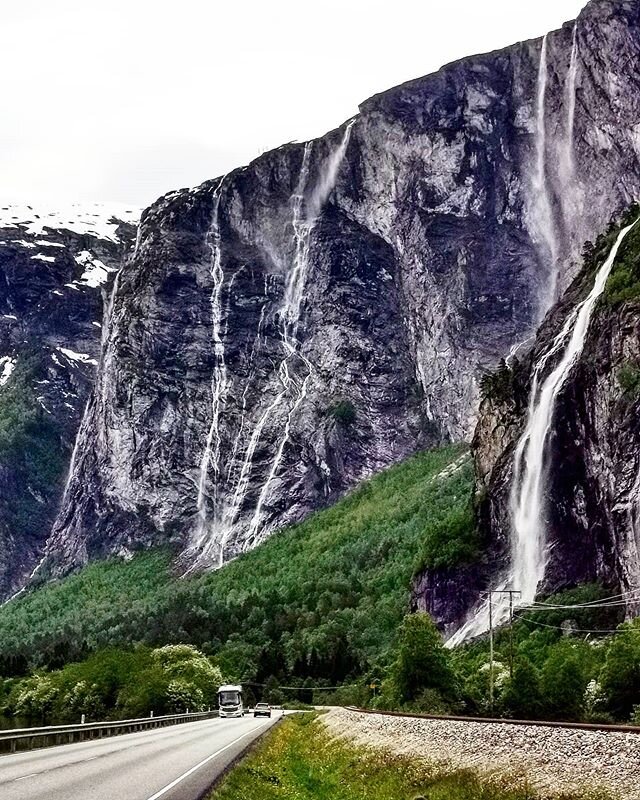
<point>539,723</point>
<point>29,738</point>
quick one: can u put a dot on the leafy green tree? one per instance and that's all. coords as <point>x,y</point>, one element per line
<point>522,697</point>
<point>184,696</point>
<point>186,666</point>
<point>35,698</point>
<point>565,676</point>
<point>87,699</point>
<point>620,678</point>
<point>421,661</point>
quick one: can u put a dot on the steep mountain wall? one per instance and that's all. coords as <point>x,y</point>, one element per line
<point>290,328</point>
<point>54,269</point>
<point>585,499</point>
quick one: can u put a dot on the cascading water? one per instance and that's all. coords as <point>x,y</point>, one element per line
<point>219,382</point>
<point>571,191</point>
<point>542,201</point>
<point>304,220</point>
<point>293,371</point>
<point>529,547</point>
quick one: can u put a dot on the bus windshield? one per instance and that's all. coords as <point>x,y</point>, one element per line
<point>228,698</point>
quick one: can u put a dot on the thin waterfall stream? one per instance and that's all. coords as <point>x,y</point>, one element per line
<point>529,551</point>
<point>217,524</point>
<point>543,204</point>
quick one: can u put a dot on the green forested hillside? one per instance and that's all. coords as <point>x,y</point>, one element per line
<point>322,603</point>
<point>320,600</point>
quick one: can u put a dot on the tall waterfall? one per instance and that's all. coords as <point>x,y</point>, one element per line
<point>293,372</point>
<point>304,220</point>
<point>542,199</point>
<point>571,192</point>
<point>529,553</point>
<point>219,383</point>
<point>570,103</point>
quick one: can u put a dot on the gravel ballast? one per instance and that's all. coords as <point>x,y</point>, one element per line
<point>553,760</point>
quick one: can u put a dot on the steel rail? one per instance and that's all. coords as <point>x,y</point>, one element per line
<point>583,726</point>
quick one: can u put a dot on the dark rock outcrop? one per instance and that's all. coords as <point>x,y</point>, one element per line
<point>54,272</point>
<point>591,477</point>
<point>307,320</point>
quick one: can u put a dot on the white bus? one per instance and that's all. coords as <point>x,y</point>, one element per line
<point>230,701</point>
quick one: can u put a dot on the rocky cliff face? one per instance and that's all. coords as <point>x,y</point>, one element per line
<point>589,481</point>
<point>288,329</point>
<point>54,269</point>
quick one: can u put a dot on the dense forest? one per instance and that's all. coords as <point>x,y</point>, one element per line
<point>321,604</point>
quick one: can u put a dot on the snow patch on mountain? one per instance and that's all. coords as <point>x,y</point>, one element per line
<point>7,365</point>
<point>94,219</point>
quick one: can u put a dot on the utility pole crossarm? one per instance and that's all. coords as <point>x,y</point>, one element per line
<point>490,594</point>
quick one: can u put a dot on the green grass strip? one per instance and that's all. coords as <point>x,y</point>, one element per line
<point>298,760</point>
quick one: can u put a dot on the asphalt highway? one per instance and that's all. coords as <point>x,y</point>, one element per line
<point>175,763</point>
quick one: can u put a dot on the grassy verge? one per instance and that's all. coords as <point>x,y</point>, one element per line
<point>299,761</point>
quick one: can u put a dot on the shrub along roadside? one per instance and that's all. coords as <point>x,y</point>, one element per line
<point>298,760</point>
<point>117,684</point>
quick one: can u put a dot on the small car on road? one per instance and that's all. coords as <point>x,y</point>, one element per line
<point>262,710</point>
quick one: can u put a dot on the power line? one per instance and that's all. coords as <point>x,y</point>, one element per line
<point>575,630</point>
<point>576,607</point>
<point>616,599</point>
<point>306,688</point>
<point>490,594</point>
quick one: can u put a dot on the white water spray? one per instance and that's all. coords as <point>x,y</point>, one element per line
<point>306,206</point>
<point>304,220</point>
<point>543,204</point>
<point>219,382</point>
<point>529,554</point>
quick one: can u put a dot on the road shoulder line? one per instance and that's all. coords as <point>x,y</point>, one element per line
<point>197,766</point>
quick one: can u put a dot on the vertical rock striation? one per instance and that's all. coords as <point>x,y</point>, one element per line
<point>54,271</point>
<point>298,325</point>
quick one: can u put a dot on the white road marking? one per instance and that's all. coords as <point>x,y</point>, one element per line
<point>30,775</point>
<point>202,763</point>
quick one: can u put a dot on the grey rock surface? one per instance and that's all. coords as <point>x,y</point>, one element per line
<point>549,761</point>
<point>305,321</point>
<point>55,269</point>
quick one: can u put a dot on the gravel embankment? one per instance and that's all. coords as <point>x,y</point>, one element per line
<point>554,760</point>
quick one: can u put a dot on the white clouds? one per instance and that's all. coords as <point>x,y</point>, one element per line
<point>126,100</point>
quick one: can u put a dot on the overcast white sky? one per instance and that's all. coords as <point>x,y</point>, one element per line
<point>123,100</point>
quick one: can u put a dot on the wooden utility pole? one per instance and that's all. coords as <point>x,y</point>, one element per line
<point>491,653</point>
<point>490,594</point>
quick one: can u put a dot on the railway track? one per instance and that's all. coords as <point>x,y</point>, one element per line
<point>584,726</point>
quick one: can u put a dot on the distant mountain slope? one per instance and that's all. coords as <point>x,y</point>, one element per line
<point>55,271</point>
<point>290,329</point>
<point>295,326</point>
<point>321,599</point>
